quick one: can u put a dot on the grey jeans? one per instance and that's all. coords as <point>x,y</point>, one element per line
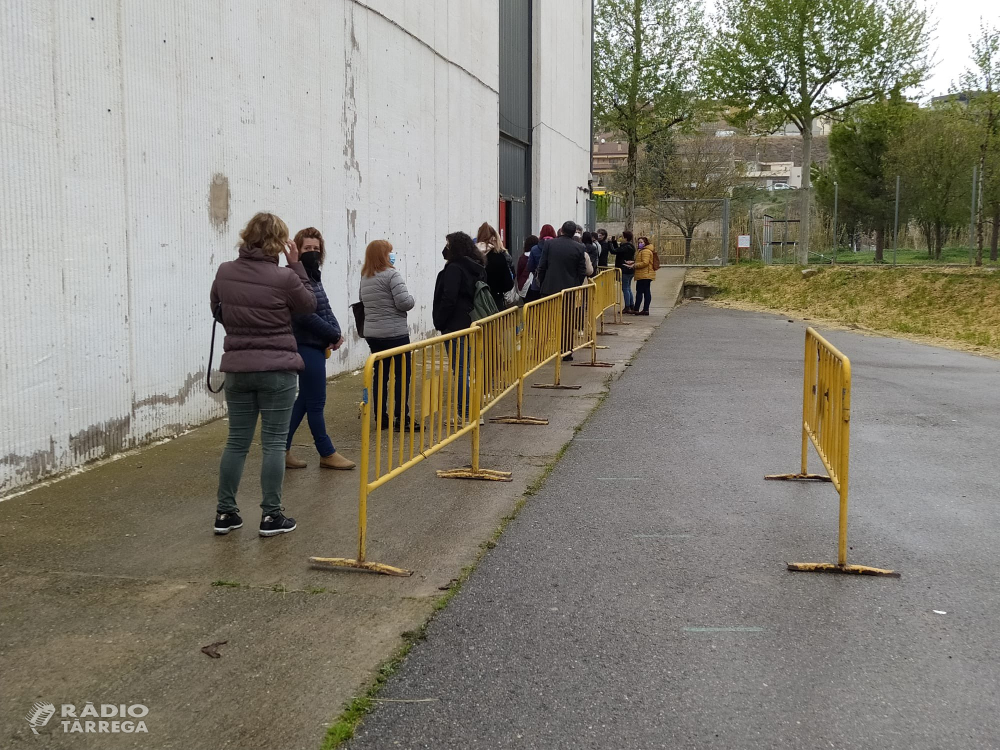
<point>271,395</point>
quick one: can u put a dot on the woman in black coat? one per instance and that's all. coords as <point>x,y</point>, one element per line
<point>454,296</point>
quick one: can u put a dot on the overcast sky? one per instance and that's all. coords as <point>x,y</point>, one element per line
<point>956,20</point>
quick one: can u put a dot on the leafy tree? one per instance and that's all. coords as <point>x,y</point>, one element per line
<point>701,171</point>
<point>645,77</point>
<point>981,84</point>
<point>933,155</point>
<point>779,61</point>
<point>860,163</point>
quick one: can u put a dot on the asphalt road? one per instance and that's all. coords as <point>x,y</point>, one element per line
<point>641,600</point>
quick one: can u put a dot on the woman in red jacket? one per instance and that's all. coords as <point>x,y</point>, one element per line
<point>261,362</point>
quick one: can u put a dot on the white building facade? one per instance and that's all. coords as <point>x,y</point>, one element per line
<point>138,137</point>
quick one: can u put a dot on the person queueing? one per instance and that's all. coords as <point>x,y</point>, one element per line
<point>255,299</point>
<point>609,246</point>
<point>499,266</point>
<point>624,259</point>
<point>534,258</point>
<point>593,252</point>
<point>523,273</point>
<point>387,301</point>
<point>563,265</point>
<point>454,299</point>
<point>645,273</point>
<point>316,334</point>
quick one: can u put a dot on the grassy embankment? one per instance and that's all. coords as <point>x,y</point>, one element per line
<point>957,308</point>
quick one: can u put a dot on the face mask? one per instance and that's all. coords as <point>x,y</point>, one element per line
<point>392,258</point>
<point>642,245</point>
<point>444,253</point>
<point>310,261</point>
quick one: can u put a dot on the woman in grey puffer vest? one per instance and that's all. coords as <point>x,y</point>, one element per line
<point>386,301</point>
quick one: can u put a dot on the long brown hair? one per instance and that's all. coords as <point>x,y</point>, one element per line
<point>376,257</point>
<point>490,237</point>
<point>267,232</point>
<point>311,233</point>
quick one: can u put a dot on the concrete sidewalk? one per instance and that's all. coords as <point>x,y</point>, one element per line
<point>111,581</point>
<point>641,599</point>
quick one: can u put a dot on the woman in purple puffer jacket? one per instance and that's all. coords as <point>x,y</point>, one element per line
<point>261,362</point>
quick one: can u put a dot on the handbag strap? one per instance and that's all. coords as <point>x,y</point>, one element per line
<point>211,352</point>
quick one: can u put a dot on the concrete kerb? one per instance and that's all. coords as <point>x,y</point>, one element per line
<point>128,547</point>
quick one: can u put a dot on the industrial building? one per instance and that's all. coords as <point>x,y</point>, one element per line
<point>138,137</point>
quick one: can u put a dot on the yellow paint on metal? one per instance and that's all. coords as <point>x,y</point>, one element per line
<point>826,423</point>
<point>446,383</point>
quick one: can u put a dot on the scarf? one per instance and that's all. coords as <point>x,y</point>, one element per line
<point>311,262</point>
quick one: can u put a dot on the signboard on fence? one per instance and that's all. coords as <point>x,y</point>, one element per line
<point>743,241</point>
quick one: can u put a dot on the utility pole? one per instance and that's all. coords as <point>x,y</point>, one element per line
<point>836,196</point>
<point>972,219</point>
<point>895,229</point>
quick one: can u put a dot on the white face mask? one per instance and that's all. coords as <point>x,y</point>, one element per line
<point>392,258</point>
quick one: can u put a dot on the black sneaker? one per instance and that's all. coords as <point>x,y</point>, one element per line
<point>405,425</point>
<point>276,523</point>
<point>226,522</point>
<point>568,358</point>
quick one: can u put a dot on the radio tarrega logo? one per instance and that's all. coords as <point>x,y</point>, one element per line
<point>39,715</point>
<point>107,718</point>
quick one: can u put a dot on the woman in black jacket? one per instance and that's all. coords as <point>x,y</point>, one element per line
<point>316,334</point>
<point>625,260</point>
<point>454,297</point>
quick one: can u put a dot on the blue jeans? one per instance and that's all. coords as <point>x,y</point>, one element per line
<point>312,400</point>
<point>627,290</point>
<point>271,395</point>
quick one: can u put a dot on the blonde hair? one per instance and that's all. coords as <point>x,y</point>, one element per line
<point>376,257</point>
<point>267,232</point>
<point>490,237</point>
<point>311,233</point>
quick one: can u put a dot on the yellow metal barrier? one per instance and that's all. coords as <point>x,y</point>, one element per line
<point>448,374</point>
<point>826,422</point>
<point>541,326</point>
<point>580,315</point>
<point>606,297</point>
<point>501,336</point>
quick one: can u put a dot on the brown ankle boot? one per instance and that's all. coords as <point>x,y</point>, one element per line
<point>291,462</point>
<point>336,461</point>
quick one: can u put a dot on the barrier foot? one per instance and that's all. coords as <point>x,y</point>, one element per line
<point>858,570</point>
<point>519,420</point>
<point>486,475</point>
<point>374,567</point>
<point>594,364</point>
<point>799,477</point>
<point>557,386</point>
<point>608,333</point>
<point>600,346</point>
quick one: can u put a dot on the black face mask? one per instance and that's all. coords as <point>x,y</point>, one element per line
<point>444,253</point>
<point>311,262</point>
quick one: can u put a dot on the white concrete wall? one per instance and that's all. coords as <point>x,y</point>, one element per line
<point>561,87</point>
<point>365,119</point>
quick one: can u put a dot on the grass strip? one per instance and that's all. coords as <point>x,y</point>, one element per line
<point>959,308</point>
